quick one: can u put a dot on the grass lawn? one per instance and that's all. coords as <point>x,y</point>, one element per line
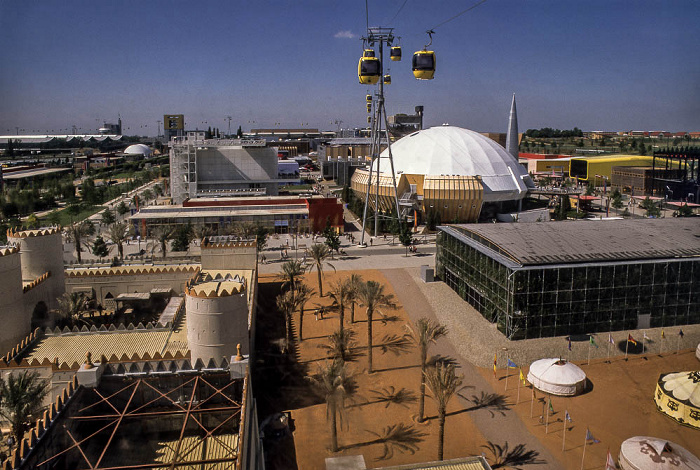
<point>63,218</point>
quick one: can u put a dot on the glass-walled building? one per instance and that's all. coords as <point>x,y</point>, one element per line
<point>553,279</point>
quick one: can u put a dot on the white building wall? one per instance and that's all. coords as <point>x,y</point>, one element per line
<point>40,254</point>
<point>15,323</point>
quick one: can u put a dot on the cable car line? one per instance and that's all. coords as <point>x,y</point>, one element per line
<point>459,14</point>
<point>397,13</point>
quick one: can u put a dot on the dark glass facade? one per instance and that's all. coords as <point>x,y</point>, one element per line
<point>561,299</point>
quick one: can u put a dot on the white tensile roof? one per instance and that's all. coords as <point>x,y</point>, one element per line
<point>683,386</point>
<point>651,453</point>
<point>453,151</point>
<point>137,149</point>
<point>556,376</point>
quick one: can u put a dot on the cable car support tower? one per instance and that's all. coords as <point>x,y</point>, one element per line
<point>380,127</point>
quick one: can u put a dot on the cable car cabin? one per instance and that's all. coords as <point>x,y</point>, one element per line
<point>387,79</point>
<point>368,98</point>
<point>424,65</point>
<point>369,119</point>
<point>368,68</point>
<point>369,108</point>
<point>396,53</point>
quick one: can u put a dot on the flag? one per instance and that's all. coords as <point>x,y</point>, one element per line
<point>631,340</point>
<point>610,340</point>
<point>495,358</point>
<point>610,462</point>
<point>644,336</point>
<point>512,364</point>
<point>551,408</point>
<point>680,333</point>
<point>522,377</point>
<point>567,416</point>
<point>569,338</point>
<point>663,335</point>
<point>589,437</point>
<point>592,341</point>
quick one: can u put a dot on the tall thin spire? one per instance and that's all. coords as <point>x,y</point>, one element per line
<point>512,136</point>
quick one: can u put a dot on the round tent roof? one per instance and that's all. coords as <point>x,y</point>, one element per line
<point>697,351</point>
<point>678,396</point>
<point>138,149</point>
<point>556,376</point>
<point>453,151</point>
<point>650,453</point>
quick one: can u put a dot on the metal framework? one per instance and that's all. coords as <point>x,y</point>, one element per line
<point>380,124</point>
<point>686,159</point>
<point>193,400</point>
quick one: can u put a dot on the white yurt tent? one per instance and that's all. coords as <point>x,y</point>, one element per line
<point>697,351</point>
<point>557,376</point>
<point>650,453</point>
<point>678,396</point>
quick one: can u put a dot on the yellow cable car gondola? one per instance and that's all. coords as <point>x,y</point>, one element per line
<point>368,68</point>
<point>424,65</point>
<point>387,79</point>
<point>369,107</point>
<point>368,98</point>
<point>369,119</point>
<point>396,53</point>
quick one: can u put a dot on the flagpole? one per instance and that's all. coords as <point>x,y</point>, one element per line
<point>678,346</point>
<point>589,352</point>
<point>507,368</point>
<point>532,400</point>
<point>663,340</point>
<point>517,400</point>
<point>609,343</point>
<point>563,439</point>
<point>644,335</point>
<point>583,456</point>
<point>627,345</point>
<point>546,422</point>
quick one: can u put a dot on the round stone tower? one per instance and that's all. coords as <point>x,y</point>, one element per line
<point>15,324</point>
<point>41,251</point>
<point>217,316</point>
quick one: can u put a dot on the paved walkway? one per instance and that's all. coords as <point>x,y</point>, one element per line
<point>496,427</point>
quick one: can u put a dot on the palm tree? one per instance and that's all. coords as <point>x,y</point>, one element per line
<point>71,306</point>
<point>355,286</point>
<point>373,298</point>
<point>118,233</point>
<point>340,345</point>
<point>77,233</point>
<point>291,272</point>
<point>340,294</point>
<point>201,231</point>
<point>162,234</point>
<point>303,295</point>
<point>335,386</point>
<point>443,384</point>
<point>286,303</point>
<point>319,254</point>
<point>21,396</point>
<point>426,332</point>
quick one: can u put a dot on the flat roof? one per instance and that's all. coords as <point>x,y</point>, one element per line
<point>584,242</point>
<point>216,211</point>
<point>33,172</point>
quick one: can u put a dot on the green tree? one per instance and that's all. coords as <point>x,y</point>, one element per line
<point>119,233</point>
<point>239,132</point>
<point>374,299</point>
<point>261,234</point>
<point>162,235</point>
<point>319,254</point>
<point>122,208</point>
<point>356,284</point>
<point>77,234</point>
<point>684,211</point>
<point>147,195</point>
<point>303,294</point>
<point>21,396</point>
<point>405,236</point>
<point>32,221</point>
<point>424,334</point>
<point>291,273</point>
<point>336,387</point>
<point>72,307</point>
<point>286,303</point>
<point>443,384</point>
<point>183,237</point>
<point>651,208</point>
<point>100,248</point>
<point>332,239</point>
<point>108,217</point>
<point>340,295</point>
<point>616,197</point>
<point>340,345</point>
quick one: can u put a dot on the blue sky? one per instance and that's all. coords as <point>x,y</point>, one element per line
<point>593,64</point>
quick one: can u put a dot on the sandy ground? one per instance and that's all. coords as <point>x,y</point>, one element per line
<point>363,418</point>
<point>619,406</point>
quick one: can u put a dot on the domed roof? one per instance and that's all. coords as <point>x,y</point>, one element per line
<point>557,376</point>
<point>138,149</point>
<point>651,453</point>
<point>453,151</point>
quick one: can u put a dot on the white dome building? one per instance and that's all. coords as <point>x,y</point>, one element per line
<point>450,170</point>
<point>651,453</point>
<point>138,149</point>
<point>557,376</point>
